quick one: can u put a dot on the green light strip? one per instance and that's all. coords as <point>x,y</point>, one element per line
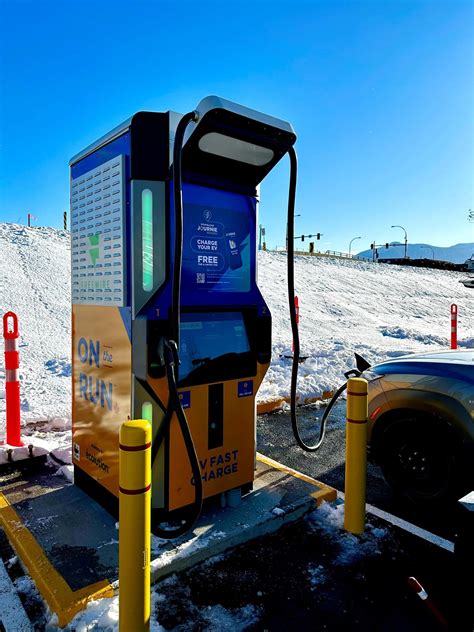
<point>147,411</point>
<point>147,240</point>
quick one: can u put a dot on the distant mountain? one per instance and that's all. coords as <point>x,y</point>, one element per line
<point>455,254</point>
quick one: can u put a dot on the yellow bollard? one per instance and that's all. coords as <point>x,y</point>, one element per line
<point>356,455</point>
<point>134,526</point>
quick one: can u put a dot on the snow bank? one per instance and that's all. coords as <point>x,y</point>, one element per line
<point>377,310</point>
<point>35,284</point>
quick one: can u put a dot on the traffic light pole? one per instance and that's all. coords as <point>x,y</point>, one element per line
<point>302,237</point>
<point>374,247</point>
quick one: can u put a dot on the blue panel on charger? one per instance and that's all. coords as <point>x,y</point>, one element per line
<point>117,147</point>
<point>245,389</point>
<point>185,399</point>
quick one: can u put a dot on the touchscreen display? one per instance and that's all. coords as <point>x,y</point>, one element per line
<point>211,340</point>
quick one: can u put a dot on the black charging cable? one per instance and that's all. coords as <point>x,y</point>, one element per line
<point>169,351</point>
<point>294,324</point>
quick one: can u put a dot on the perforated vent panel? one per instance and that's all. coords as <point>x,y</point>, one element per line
<point>97,235</point>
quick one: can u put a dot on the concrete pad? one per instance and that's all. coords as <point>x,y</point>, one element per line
<point>47,523</point>
<point>69,543</point>
<point>280,495</point>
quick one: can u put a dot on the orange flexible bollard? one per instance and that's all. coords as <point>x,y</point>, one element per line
<point>12,379</point>
<point>454,326</point>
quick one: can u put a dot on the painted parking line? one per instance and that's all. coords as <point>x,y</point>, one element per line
<point>324,492</point>
<point>432,538</point>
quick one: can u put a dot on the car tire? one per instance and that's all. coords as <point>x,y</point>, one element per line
<point>418,460</point>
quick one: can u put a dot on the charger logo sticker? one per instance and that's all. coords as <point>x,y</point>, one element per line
<point>76,452</point>
<point>245,389</point>
<point>185,399</point>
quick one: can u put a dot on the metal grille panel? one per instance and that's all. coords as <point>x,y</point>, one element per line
<point>97,235</point>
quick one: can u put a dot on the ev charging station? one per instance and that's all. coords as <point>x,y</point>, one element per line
<point>169,324</point>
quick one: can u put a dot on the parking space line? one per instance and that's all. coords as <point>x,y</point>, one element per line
<point>324,492</point>
<point>432,538</point>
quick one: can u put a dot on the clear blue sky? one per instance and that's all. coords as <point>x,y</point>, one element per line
<point>380,95</point>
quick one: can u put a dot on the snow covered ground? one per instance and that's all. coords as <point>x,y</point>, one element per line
<point>377,310</point>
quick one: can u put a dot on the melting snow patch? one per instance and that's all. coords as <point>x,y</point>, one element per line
<point>62,454</point>
<point>219,618</point>
<point>329,519</point>
<point>101,614</point>
<point>183,550</point>
<point>317,575</point>
<point>24,585</point>
<point>67,471</point>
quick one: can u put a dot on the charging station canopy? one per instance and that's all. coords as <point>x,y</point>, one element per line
<point>234,144</point>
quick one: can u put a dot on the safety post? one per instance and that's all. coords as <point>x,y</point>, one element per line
<point>297,310</point>
<point>454,326</point>
<point>356,455</point>
<point>12,378</point>
<point>134,525</point>
<point>423,595</point>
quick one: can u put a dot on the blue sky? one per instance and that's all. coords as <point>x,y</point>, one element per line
<point>380,95</point>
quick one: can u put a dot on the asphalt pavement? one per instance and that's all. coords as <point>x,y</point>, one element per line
<point>310,577</point>
<point>275,439</point>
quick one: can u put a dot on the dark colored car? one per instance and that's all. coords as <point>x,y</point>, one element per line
<point>421,423</point>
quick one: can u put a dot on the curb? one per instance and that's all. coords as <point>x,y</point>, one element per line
<point>264,408</point>
<point>13,616</point>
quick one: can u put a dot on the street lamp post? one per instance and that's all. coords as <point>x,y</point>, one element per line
<point>297,215</point>
<point>350,244</point>
<point>429,248</point>
<point>406,238</point>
